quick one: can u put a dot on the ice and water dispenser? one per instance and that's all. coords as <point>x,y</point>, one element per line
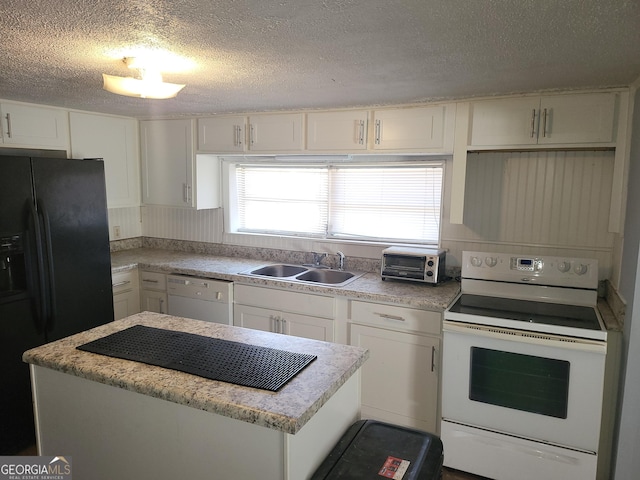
<point>12,266</point>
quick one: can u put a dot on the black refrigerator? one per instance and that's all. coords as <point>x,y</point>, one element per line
<point>55,271</point>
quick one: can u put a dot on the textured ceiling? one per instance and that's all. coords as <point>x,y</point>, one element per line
<point>255,55</point>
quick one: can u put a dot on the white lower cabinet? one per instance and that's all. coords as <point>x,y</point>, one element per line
<point>153,292</point>
<point>400,381</point>
<point>290,313</point>
<point>126,294</point>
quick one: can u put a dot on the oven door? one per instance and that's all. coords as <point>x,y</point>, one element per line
<point>534,386</point>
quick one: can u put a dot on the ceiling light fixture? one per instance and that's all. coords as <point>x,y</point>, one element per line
<point>149,85</point>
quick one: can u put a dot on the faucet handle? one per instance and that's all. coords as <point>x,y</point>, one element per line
<point>340,260</point>
<point>318,257</point>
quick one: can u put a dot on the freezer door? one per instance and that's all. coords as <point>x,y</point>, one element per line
<point>17,334</point>
<point>15,194</point>
<point>71,202</point>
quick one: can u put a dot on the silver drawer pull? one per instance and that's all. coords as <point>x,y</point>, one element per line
<point>120,284</point>
<point>389,317</point>
<point>149,280</point>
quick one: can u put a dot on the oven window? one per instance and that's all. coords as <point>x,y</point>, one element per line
<point>522,382</point>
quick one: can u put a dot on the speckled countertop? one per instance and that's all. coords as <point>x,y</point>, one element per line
<point>286,410</point>
<point>368,287</point>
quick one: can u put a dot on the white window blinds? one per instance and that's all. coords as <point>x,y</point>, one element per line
<point>398,202</point>
<point>395,202</point>
<point>286,199</point>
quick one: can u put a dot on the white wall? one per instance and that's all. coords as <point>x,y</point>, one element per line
<point>627,462</point>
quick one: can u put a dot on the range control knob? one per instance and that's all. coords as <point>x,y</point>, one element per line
<point>476,261</point>
<point>581,269</point>
<point>564,267</point>
<point>491,261</point>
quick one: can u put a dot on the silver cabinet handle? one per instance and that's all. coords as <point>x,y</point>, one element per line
<point>237,138</point>
<point>149,280</point>
<point>389,316</point>
<point>533,123</point>
<point>161,305</point>
<point>120,284</point>
<point>361,133</point>
<point>377,134</point>
<point>433,359</point>
<point>8,125</point>
<point>283,325</point>
<point>544,123</point>
<point>251,139</point>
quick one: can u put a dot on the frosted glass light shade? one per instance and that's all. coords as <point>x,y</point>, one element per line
<point>133,87</point>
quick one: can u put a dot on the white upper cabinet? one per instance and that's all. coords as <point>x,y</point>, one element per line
<point>261,133</point>
<point>222,134</point>
<point>337,131</point>
<point>167,156</point>
<point>584,118</point>
<point>114,139</point>
<point>275,133</point>
<point>417,129</point>
<point>34,126</point>
<point>572,119</point>
<point>171,174</point>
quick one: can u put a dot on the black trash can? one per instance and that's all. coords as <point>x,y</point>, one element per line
<point>370,449</point>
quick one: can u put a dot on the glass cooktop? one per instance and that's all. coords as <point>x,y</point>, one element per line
<point>573,316</point>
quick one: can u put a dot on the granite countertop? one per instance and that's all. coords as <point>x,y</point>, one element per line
<point>286,410</point>
<point>369,287</point>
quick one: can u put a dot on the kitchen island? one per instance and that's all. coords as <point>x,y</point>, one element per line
<point>123,419</point>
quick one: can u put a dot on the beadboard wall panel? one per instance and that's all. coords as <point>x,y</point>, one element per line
<point>550,202</point>
<point>182,223</point>
<point>127,219</point>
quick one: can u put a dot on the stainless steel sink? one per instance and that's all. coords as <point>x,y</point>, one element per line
<point>325,276</point>
<point>303,274</point>
<point>279,270</point>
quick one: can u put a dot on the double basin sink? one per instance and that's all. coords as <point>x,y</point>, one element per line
<point>305,274</point>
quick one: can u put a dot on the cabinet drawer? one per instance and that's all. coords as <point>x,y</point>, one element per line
<point>124,281</point>
<point>295,302</point>
<point>396,318</point>
<point>153,281</point>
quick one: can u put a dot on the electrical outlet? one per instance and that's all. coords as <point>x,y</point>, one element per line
<point>116,231</point>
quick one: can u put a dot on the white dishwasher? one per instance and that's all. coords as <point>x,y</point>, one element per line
<point>200,298</point>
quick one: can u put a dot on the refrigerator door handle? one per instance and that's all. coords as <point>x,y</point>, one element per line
<point>50,319</point>
<point>41,305</point>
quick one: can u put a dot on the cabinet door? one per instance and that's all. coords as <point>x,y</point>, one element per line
<point>410,128</point>
<point>255,318</point>
<point>116,141</point>
<point>221,134</point>
<point>307,327</point>
<point>580,118</point>
<point>167,162</point>
<point>275,133</point>
<point>31,126</point>
<point>153,301</point>
<point>125,304</point>
<point>337,131</point>
<point>400,379</point>
<point>509,121</point>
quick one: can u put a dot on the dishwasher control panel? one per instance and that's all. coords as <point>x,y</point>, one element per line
<point>201,288</point>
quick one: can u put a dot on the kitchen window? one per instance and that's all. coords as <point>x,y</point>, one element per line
<point>338,199</point>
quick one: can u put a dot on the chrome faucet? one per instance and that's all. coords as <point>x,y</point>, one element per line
<point>317,258</point>
<point>340,260</point>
